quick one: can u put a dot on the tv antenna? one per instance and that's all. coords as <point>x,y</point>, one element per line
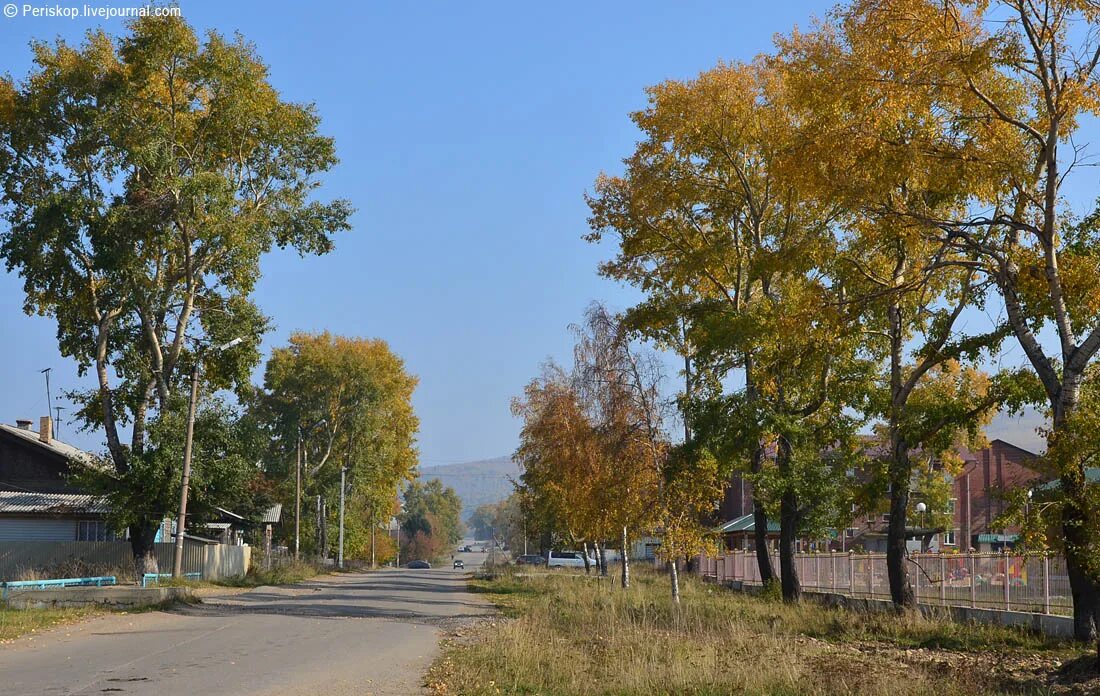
<point>49,398</point>
<point>57,421</point>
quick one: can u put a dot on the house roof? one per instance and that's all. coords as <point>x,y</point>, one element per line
<point>1092,476</point>
<point>273,514</point>
<point>997,538</point>
<point>745,524</point>
<point>24,502</point>
<point>56,446</point>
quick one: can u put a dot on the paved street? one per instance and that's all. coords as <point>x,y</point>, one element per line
<point>358,634</point>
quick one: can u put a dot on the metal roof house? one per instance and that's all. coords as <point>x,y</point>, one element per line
<point>38,502</point>
<point>740,533</point>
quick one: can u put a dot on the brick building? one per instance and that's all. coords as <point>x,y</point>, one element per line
<point>977,502</point>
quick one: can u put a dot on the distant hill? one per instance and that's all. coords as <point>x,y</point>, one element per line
<point>477,483</point>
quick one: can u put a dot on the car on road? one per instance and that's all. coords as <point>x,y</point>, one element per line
<point>418,565</point>
<point>530,559</point>
<point>466,549</point>
<point>459,563</point>
<point>566,559</point>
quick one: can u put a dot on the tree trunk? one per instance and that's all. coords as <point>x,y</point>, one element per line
<point>760,528</point>
<point>601,557</point>
<point>625,560</point>
<point>901,592</point>
<point>788,527</point>
<point>674,577</point>
<point>587,565</point>
<point>143,536</point>
<point>322,516</point>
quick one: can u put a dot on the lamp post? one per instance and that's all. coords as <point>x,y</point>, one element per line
<point>181,521</point>
<point>921,507</point>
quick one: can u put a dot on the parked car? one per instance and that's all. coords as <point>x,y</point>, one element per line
<point>418,565</point>
<point>466,549</point>
<point>566,559</point>
<point>459,563</point>
<point>530,559</point>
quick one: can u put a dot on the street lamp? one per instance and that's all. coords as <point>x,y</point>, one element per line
<point>921,507</point>
<point>177,559</point>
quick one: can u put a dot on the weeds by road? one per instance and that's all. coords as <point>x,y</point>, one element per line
<point>15,623</point>
<point>564,634</point>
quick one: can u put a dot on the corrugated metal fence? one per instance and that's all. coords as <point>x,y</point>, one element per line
<point>990,580</point>
<point>19,559</point>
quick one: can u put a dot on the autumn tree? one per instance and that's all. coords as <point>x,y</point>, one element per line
<point>1001,88</point>
<point>143,177</point>
<point>619,385</point>
<point>691,488</point>
<point>430,519</point>
<point>708,222</point>
<point>330,403</point>
<point>559,457</point>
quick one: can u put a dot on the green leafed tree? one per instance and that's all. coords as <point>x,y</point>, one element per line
<point>430,519</point>
<point>331,403</point>
<point>143,177</point>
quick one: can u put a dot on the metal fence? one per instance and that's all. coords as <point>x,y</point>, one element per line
<point>39,559</point>
<point>989,580</point>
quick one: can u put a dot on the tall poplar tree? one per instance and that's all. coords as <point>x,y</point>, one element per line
<point>143,177</point>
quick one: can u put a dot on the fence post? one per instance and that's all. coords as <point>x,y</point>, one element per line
<point>943,579</point>
<point>851,575</point>
<point>832,571</point>
<point>1006,582</point>
<point>1046,584</point>
<point>973,581</point>
<point>871,575</point>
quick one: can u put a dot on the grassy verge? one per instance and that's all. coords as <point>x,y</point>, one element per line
<point>564,634</point>
<point>15,623</point>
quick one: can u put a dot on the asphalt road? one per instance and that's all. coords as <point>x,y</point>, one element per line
<point>373,633</point>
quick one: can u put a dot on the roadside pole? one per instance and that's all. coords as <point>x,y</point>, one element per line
<point>298,495</point>
<point>181,519</point>
<point>340,553</point>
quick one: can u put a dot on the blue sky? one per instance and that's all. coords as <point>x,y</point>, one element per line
<point>468,134</point>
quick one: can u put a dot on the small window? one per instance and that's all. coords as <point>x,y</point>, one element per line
<point>851,532</point>
<point>92,530</point>
<point>949,538</point>
<point>885,517</point>
<point>951,506</point>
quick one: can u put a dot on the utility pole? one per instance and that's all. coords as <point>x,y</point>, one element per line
<point>340,553</point>
<point>298,495</point>
<point>181,519</point>
<point>300,461</point>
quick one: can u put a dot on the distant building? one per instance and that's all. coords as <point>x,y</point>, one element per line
<point>979,498</point>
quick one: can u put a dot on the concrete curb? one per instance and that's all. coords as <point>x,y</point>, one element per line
<point>115,596</point>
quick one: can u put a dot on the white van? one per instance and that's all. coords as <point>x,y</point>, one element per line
<point>566,559</point>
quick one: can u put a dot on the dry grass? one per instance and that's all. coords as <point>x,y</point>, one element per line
<point>569,635</point>
<point>15,623</point>
<point>282,574</point>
